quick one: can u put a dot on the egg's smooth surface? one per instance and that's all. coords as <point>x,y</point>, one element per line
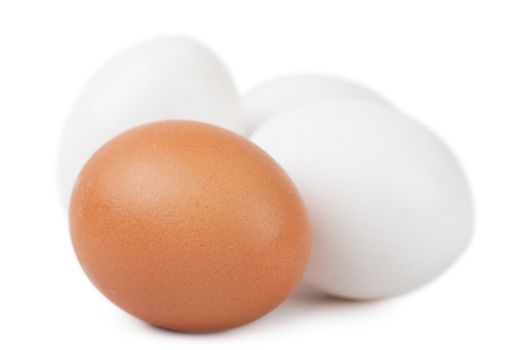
<point>294,91</point>
<point>189,226</point>
<point>170,77</point>
<point>388,202</point>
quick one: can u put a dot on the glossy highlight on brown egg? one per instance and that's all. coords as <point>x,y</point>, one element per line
<point>189,226</point>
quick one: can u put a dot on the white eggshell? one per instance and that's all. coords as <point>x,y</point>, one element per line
<point>388,201</point>
<point>293,91</point>
<point>169,77</point>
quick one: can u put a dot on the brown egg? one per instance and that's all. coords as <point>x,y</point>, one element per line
<point>189,227</point>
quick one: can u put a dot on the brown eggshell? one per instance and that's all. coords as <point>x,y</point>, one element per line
<point>189,227</point>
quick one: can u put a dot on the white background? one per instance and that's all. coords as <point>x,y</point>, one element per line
<point>458,66</point>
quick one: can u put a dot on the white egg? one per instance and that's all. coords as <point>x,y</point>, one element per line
<point>389,204</point>
<point>169,77</point>
<point>293,91</point>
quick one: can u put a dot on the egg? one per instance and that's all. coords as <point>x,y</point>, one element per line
<point>170,77</point>
<point>293,91</point>
<point>189,226</point>
<point>388,202</point>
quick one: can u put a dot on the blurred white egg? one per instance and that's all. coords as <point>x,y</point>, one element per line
<point>389,204</point>
<point>171,77</point>
<point>293,91</point>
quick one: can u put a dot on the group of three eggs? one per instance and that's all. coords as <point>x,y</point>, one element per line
<point>196,210</point>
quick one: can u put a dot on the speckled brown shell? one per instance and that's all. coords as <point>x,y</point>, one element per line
<point>189,226</point>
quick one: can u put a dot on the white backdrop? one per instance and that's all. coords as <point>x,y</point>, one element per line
<point>458,66</point>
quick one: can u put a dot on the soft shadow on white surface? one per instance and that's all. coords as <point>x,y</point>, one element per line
<point>306,302</point>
